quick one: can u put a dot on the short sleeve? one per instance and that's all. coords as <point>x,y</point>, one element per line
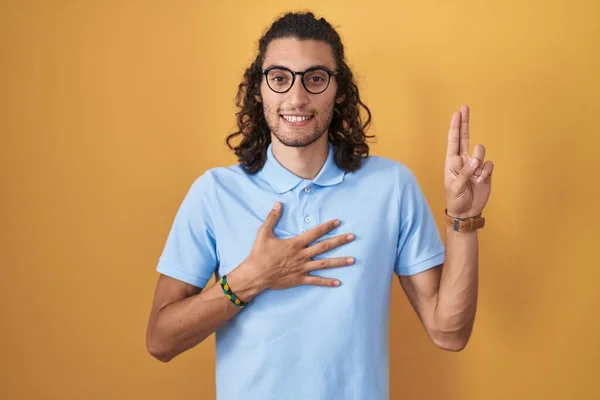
<point>190,252</point>
<point>419,243</point>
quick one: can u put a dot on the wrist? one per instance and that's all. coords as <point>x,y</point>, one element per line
<point>244,283</point>
<point>451,232</point>
<point>461,216</point>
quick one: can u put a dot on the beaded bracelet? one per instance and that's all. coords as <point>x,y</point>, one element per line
<point>229,293</point>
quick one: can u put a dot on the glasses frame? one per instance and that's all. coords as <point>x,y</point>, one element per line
<point>329,72</point>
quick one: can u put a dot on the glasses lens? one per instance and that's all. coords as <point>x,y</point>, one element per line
<point>316,80</point>
<point>279,80</point>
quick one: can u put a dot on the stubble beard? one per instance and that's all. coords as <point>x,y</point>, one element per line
<point>298,139</point>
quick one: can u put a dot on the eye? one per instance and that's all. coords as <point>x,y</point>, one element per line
<point>279,78</point>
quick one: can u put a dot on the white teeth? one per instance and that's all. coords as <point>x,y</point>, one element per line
<point>292,118</point>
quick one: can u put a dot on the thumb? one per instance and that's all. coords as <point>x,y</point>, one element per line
<point>269,224</point>
<point>467,172</point>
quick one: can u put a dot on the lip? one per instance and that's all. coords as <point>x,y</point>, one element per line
<point>297,123</point>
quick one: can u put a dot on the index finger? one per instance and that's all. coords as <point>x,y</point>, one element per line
<point>313,234</point>
<point>454,134</point>
<point>464,130</point>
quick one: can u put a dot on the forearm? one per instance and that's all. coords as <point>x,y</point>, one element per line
<point>183,324</point>
<point>457,294</point>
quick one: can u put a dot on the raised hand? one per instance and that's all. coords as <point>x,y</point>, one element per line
<point>282,263</point>
<point>467,179</point>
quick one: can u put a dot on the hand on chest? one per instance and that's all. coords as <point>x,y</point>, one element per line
<point>375,229</point>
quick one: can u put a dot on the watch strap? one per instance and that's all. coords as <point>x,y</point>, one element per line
<point>464,224</point>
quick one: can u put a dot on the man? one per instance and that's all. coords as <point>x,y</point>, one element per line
<point>301,306</point>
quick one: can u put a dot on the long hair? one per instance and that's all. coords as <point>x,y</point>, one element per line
<point>346,131</point>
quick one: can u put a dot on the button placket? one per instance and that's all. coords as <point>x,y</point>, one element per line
<point>302,210</point>
<point>310,216</point>
<point>307,217</point>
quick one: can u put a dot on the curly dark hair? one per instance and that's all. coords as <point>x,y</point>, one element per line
<point>346,130</point>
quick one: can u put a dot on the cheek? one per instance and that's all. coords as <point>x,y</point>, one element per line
<point>270,105</point>
<point>269,110</point>
<point>326,108</point>
<point>271,114</point>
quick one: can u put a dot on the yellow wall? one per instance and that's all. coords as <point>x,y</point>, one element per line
<point>110,109</point>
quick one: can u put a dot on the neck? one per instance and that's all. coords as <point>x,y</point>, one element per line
<point>305,162</point>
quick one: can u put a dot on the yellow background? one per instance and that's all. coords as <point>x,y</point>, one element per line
<point>110,109</point>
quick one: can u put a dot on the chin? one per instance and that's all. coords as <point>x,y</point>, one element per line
<point>298,141</point>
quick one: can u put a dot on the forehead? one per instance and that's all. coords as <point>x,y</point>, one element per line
<point>299,55</point>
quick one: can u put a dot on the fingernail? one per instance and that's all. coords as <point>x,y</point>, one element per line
<point>349,260</point>
<point>276,206</point>
<point>350,237</point>
<point>473,162</point>
<point>337,222</point>
<point>336,283</point>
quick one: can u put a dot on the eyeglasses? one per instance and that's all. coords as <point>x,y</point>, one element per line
<point>315,80</point>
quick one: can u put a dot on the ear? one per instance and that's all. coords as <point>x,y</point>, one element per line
<point>258,98</point>
<point>340,99</point>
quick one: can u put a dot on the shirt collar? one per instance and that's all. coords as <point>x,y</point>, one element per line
<point>283,180</point>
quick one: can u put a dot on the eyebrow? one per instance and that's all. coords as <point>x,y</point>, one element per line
<point>312,66</point>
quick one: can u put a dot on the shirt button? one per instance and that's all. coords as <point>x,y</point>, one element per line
<point>307,220</point>
<point>307,189</point>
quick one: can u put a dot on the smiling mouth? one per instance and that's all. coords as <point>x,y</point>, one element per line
<point>297,120</point>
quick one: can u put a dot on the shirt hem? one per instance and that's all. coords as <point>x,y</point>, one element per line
<point>423,265</point>
<point>182,276</point>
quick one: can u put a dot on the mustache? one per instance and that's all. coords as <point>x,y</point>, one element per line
<point>293,110</point>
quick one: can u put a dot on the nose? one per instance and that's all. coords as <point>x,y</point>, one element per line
<point>297,96</point>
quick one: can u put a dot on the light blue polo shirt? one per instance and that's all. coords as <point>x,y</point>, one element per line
<point>306,342</point>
